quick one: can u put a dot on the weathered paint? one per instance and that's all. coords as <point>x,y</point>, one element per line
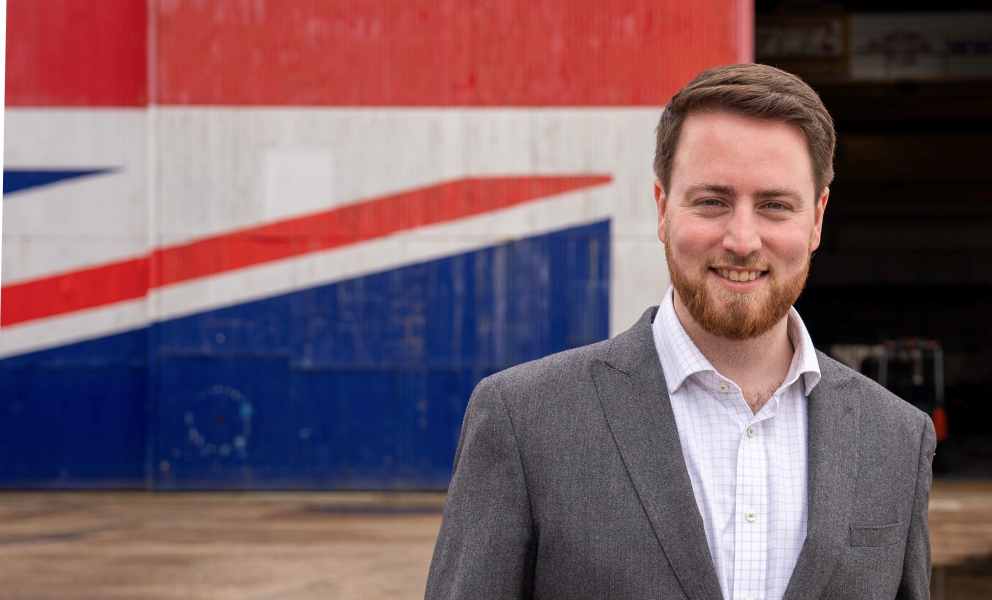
<point>447,53</point>
<point>292,211</point>
<point>357,384</point>
<point>74,415</point>
<point>221,197</point>
<point>348,225</point>
<point>80,222</point>
<point>77,53</point>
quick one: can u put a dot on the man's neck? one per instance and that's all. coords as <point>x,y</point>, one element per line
<point>758,365</point>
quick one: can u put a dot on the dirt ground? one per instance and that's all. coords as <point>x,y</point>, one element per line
<point>298,546</point>
<point>961,540</point>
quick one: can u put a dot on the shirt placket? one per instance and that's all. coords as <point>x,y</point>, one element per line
<point>751,502</point>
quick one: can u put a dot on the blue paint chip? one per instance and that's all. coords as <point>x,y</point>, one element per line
<point>17,180</point>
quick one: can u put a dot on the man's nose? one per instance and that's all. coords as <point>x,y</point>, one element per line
<point>742,236</point>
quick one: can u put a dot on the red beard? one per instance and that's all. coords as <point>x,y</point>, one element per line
<point>736,315</point>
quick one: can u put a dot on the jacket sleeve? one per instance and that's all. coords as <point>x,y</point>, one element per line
<point>916,566</point>
<point>487,543</point>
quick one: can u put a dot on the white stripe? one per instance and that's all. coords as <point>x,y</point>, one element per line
<point>81,222</point>
<point>74,327</point>
<point>218,169</point>
<point>213,178</point>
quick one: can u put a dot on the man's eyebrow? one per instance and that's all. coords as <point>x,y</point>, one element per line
<point>716,188</point>
<point>731,191</point>
<point>779,193</point>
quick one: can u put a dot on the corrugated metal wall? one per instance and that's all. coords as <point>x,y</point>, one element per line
<point>276,244</point>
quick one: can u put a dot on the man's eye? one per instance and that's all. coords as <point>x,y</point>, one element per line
<point>710,202</point>
<point>776,206</point>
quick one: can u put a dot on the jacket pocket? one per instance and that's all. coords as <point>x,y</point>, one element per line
<point>875,535</point>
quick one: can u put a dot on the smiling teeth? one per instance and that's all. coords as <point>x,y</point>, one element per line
<point>739,275</point>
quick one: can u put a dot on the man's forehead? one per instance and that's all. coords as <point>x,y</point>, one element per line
<point>733,155</point>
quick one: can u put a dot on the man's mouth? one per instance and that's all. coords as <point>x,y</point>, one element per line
<point>738,275</point>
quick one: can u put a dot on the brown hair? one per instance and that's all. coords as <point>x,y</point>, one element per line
<point>749,90</point>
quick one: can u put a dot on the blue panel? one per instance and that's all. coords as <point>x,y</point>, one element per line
<point>363,383</point>
<point>215,421</point>
<point>15,180</point>
<point>360,384</point>
<point>75,416</point>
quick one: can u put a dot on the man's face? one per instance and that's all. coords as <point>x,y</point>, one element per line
<point>740,221</point>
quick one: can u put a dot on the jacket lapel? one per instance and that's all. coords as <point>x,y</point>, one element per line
<point>632,391</point>
<point>832,456</point>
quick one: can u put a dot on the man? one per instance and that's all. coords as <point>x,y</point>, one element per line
<point>709,451</point>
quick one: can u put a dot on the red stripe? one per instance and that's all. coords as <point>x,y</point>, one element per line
<point>442,52</point>
<point>69,292</point>
<point>76,53</point>
<point>351,224</point>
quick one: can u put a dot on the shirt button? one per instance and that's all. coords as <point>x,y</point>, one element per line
<point>751,516</point>
<point>749,598</point>
<point>723,387</point>
<point>750,431</point>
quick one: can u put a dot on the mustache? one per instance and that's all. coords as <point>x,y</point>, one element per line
<point>751,261</point>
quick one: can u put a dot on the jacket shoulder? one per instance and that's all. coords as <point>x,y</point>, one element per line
<point>552,376</point>
<point>875,402</point>
<point>558,391</point>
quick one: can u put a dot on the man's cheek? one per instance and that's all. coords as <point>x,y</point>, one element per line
<point>693,245</point>
<point>790,248</point>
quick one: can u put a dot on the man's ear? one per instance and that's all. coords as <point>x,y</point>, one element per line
<point>821,206</point>
<point>661,200</point>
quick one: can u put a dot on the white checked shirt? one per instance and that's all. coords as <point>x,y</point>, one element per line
<point>748,471</point>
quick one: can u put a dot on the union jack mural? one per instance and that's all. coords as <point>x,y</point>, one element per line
<point>276,244</point>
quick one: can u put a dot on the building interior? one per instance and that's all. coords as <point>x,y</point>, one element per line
<point>906,257</point>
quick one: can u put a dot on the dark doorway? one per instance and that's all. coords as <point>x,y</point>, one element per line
<point>907,246</point>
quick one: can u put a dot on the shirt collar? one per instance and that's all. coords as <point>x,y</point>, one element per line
<point>680,358</point>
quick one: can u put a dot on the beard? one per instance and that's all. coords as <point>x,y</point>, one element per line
<point>736,315</point>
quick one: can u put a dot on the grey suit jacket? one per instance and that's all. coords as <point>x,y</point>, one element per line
<point>569,482</point>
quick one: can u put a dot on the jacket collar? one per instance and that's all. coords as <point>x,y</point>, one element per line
<point>632,392</point>
<point>832,414</point>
